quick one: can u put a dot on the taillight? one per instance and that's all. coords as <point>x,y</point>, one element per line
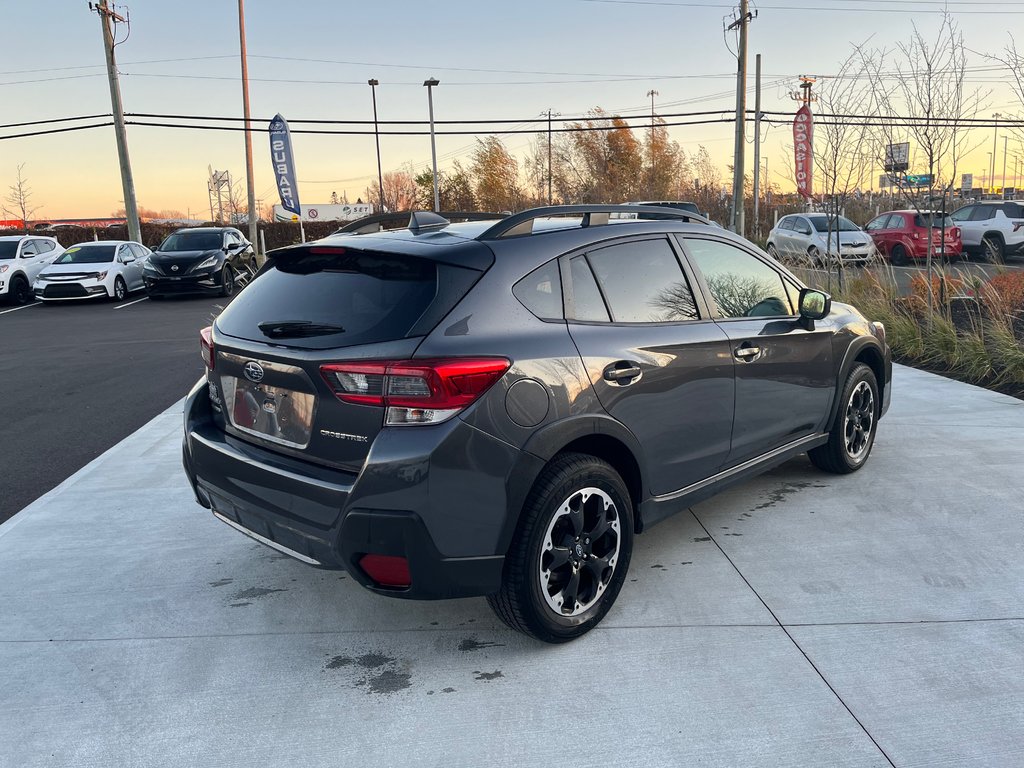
<point>415,391</point>
<point>206,346</point>
<point>387,570</point>
<point>954,233</point>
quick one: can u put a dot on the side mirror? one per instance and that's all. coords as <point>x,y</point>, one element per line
<point>814,305</point>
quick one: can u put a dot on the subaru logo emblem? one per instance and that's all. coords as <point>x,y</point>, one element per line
<point>174,268</point>
<point>253,371</point>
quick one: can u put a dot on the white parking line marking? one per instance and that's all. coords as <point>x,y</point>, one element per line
<point>34,304</point>
<point>122,306</point>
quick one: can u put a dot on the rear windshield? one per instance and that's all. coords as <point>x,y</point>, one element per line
<point>192,241</point>
<point>88,254</point>
<point>937,221</point>
<point>329,299</point>
<point>8,249</point>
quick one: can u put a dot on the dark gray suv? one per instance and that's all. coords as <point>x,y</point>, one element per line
<point>497,408</point>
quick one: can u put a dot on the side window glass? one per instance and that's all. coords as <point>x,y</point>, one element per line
<point>963,214</point>
<point>794,295</point>
<point>587,301</point>
<point>29,248</point>
<point>786,223</point>
<point>895,222</point>
<point>983,213</point>
<point>802,226</point>
<point>139,251</point>
<point>876,224</point>
<point>1013,210</point>
<point>741,284</point>
<point>643,282</point>
<point>541,292</point>
<point>43,246</point>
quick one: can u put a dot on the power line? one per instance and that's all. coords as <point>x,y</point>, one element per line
<point>801,8</point>
<point>56,130</point>
<point>54,120</point>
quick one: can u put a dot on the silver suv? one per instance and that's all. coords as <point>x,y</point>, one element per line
<point>993,229</point>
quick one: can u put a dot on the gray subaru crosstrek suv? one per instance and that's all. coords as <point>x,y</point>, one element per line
<point>498,408</point>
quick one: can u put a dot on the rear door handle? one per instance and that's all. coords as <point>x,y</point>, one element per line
<point>747,352</point>
<point>622,372</point>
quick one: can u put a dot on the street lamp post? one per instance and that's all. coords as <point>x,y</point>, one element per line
<point>429,84</point>
<point>1006,142</point>
<point>376,134</point>
<point>991,179</point>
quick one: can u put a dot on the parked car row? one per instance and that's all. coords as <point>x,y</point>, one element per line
<point>990,230</point>
<point>209,260</point>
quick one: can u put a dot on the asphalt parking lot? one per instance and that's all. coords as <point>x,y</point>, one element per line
<point>79,377</point>
<point>800,619</point>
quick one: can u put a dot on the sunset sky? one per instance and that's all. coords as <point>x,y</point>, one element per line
<point>567,55</point>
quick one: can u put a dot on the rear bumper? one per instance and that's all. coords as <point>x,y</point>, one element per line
<point>437,497</point>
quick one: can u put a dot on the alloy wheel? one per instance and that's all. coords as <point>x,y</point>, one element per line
<point>860,420</point>
<point>580,551</point>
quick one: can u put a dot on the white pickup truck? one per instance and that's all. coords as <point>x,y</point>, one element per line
<point>22,257</point>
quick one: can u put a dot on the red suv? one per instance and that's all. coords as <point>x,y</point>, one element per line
<point>903,235</point>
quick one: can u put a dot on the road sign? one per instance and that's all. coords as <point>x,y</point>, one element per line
<point>966,184</point>
<point>897,157</point>
<point>918,180</point>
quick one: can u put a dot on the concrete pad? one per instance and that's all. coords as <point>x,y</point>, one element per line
<point>933,694</point>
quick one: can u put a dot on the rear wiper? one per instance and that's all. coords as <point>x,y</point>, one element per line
<point>298,328</point>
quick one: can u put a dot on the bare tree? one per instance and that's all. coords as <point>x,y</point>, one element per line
<point>399,192</point>
<point>19,198</point>
<point>918,93</point>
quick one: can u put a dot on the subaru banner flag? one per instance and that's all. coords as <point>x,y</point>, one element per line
<point>284,164</point>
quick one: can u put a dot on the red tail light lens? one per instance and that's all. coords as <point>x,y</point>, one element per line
<point>206,346</point>
<point>387,570</point>
<point>954,233</point>
<point>415,391</point>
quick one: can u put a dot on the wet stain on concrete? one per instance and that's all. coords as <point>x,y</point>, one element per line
<point>239,605</point>
<point>658,565</point>
<point>374,660</point>
<point>734,534</point>
<point>388,681</point>
<point>472,644</point>
<point>340,661</point>
<point>447,690</point>
<point>487,676</point>
<point>256,592</point>
<point>702,538</point>
<point>687,562</point>
<point>779,494</point>
<point>221,582</point>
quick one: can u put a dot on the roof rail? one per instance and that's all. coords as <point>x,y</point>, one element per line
<point>377,222</point>
<point>592,215</point>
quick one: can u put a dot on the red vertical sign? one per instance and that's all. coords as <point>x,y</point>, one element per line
<point>803,150</point>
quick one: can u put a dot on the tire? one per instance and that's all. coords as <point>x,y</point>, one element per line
<point>814,256</point>
<point>253,266</point>
<point>898,255</point>
<point>19,292</point>
<point>555,557</point>
<point>849,443</point>
<point>227,277</point>
<point>772,251</point>
<point>120,289</point>
<point>993,249</point>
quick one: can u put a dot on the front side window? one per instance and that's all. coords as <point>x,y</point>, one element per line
<point>802,227</point>
<point>642,282</point>
<point>787,223</point>
<point>740,283</point>
<point>963,214</point>
<point>29,249</point>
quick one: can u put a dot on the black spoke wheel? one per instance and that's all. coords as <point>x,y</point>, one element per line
<point>227,277</point>
<point>853,433</point>
<point>899,255</point>
<point>20,294</point>
<point>571,551</point>
<point>120,289</point>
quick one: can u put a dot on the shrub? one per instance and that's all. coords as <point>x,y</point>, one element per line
<point>1004,292</point>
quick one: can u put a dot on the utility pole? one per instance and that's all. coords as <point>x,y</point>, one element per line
<point>550,114</point>
<point>373,83</point>
<point>429,85</point>
<point>992,162</point>
<point>741,23</point>
<point>1006,140</point>
<point>757,146</point>
<point>250,185</point>
<point>652,93</point>
<point>107,18</point>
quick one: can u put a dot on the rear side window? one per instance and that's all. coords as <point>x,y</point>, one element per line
<point>586,297</point>
<point>541,292</point>
<point>876,224</point>
<point>1013,210</point>
<point>344,297</point>
<point>642,282</point>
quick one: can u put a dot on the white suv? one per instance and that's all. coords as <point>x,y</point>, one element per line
<point>22,258</point>
<point>992,229</point>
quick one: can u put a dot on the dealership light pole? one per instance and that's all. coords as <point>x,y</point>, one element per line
<point>376,133</point>
<point>433,146</point>
<point>1006,142</point>
<point>652,93</point>
<point>107,17</point>
<point>250,185</point>
<point>992,162</point>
